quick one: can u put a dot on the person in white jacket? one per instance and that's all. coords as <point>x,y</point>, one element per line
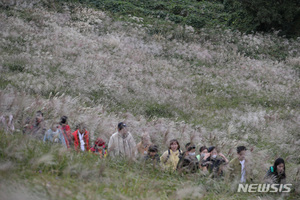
<point>122,143</point>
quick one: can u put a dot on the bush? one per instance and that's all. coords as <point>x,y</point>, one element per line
<point>260,15</point>
<point>195,21</point>
<point>158,110</point>
<point>15,67</point>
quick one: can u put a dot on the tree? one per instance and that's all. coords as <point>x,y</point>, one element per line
<point>262,15</point>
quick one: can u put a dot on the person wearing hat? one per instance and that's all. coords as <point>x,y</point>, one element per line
<point>152,154</point>
<point>188,163</point>
<point>99,148</point>
<point>215,162</point>
<point>122,143</point>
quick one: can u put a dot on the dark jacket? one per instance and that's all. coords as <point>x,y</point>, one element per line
<point>215,166</point>
<point>188,164</point>
<point>273,177</point>
<point>155,159</point>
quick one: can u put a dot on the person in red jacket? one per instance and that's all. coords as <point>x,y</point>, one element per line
<point>99,148</point>
<point>66,131</point>
<point>81,138</point>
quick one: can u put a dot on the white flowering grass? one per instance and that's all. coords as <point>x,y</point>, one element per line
<point>212,88</point>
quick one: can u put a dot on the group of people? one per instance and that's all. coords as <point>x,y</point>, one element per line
<point>60,132</point>
<point>122,144</point>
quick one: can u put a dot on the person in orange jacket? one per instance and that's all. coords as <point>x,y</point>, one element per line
<point>81,138</point>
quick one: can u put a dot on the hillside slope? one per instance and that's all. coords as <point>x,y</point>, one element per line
<point>213,87</point>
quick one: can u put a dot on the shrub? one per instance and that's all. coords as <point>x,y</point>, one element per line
<point>260,15</point>
<point>158,110</point>
<point>195,21</point>
<point>17,66</point>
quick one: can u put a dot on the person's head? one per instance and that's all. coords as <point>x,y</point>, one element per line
<point>187,145</point>
<point>241,151</point>
<point>203,149</point>
<point>174,145</point>
<point>279,166</point>
<point>122,128</point>
<point>54,126</point>
<point>81,128</point>
<point>99,142</point>
<point>39,116</point>
<point>213,151</point>
<point>190,147</point>
<point>152,150</point>
<point>63,120</point>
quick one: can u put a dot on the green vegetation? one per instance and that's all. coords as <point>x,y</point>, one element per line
<point>260,15</point>
<point>15,67</point>
<point>52,172</point>
<point>189,12</point>
<point>172,68</point>
<point>246,16</point>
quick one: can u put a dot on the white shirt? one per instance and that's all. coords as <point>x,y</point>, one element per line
<point>243,172</point>
<point>81,141</point>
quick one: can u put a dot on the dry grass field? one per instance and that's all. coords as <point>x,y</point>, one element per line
<point>212,87</point>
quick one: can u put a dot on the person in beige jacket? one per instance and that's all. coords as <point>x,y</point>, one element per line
<point>122,143</point>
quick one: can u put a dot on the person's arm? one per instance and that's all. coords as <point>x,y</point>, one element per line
<point>87,141</point>
<point>204,168</point>
<point>11,123</point>
<point>207,155</point>
<point>74,140</point>
<point>180,164</point>
<point>164,157</point>
<point>204,163</point>
<point>111,146</point>
<point>43,129</point>
<point>45,137</point>
<point>226,160</point>
<point>269,177</point>
<point>62,139</point>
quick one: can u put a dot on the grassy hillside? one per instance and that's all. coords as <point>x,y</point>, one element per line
<point>212,87</point>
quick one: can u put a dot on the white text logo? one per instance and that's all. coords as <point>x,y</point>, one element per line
<point>264,188</point>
